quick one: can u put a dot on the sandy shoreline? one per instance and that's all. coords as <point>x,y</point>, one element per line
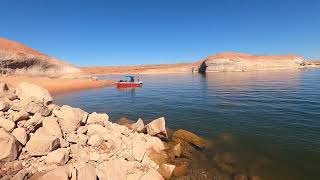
<point>58,85</point>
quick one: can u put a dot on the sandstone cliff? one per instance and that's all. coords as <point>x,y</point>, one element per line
<point>229,61</point>
<point>20,59</point>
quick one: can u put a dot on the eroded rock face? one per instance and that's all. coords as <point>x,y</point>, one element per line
<point>239,62</point>
<point>10,147</point>
<point>26,91</point>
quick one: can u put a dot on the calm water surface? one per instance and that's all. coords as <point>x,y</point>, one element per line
<point>273,117</point>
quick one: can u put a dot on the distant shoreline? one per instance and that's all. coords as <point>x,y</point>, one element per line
<point>58,85</point>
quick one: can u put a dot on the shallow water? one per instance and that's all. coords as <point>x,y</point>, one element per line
<point>273,117</point>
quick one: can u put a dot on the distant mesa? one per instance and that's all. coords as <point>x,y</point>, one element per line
<point>231,61</point>
<point>16,58</point>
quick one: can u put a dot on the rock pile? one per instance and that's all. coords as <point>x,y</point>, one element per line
<point>41,140</point>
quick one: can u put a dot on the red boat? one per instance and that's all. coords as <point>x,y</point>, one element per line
<point>129,82</point>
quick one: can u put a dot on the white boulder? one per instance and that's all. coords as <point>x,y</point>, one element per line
<point>98,118</point>
<point>7,124</point>
<point>138,126</point>
<point>21,135</point>
<point>87,172</point>
<point>41,143</point>
<point>10,147</point>
<point>26,91</point>
<point>95,140</point>
<point>59,156</point>
<point>52,126</point>
<point>157,127</point>
<point>69,118</point>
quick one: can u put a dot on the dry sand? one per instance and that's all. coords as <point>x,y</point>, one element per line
<point>58,85</point>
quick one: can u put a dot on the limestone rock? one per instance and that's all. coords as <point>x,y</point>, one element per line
<point>97,129</point>
<point>94,140</point>
<point>52,126</point>
<point>59,173</point>
<point>33,122</point>
<point>21,115</point>
<point>4,105</point>
<point>87,172</point>
<point>21,175</point>
<point>189,137</point>
<point>157,127</point>
<point>166,170</point>
<point>26,91</point>
<point>82,130</point>
<point>21,135</point>
<point>114,169</point>
<point>97,118</point>
<point>7,124</point>
<point>41,143</point>
<point>139,148</point>
<point>59,156</point>
<point>10,147</point>
<point>138,126</point>
<point>69,118</point>
<point>37,107</point>
<point>71,138</point>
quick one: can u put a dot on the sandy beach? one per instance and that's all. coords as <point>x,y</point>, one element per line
<point>58,85</point>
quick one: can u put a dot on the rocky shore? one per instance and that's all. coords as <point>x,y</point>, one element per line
<point>41,140</point>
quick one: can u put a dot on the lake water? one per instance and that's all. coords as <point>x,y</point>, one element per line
<point>273,117</point>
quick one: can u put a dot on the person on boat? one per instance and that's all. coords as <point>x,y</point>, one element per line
<point>131,79</point>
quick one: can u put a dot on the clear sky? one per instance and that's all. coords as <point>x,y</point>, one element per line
<point>118,32</point>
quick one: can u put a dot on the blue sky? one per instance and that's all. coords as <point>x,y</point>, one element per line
<point>118,32</point>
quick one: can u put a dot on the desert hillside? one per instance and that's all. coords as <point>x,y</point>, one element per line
<point>16,58</point>
<point>230,61</point>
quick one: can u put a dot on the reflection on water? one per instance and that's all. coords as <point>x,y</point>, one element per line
<point>269,120</point>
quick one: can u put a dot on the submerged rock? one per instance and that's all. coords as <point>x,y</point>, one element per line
<point>189,137</point>
<point>166,170</point>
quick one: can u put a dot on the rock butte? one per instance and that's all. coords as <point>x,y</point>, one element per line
<point>230,61</point>
<point>41,140</point>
